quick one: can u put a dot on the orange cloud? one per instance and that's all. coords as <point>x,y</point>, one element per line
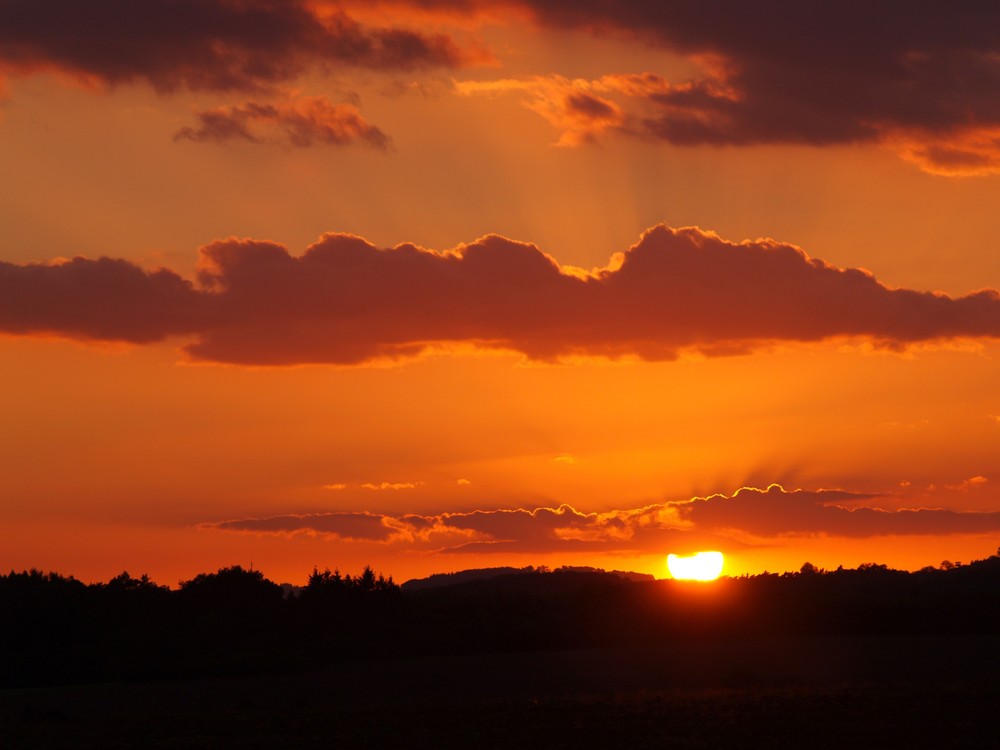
<point>577,108</point>
<point>584,110</point>
<point>219,45</point>
<point>963,151</point>
<point>302,122</point>
<point>967,484</point>
<point>347,302</point>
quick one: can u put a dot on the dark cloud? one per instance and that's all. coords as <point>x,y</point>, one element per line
<point>819,72</point>
<point>303,122</point>
<point>590,106</point>
<point>102,300</point>
<point>922,76</point>
<point>345,301</point>
<point>205,44</point>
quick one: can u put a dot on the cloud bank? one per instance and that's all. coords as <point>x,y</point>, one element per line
<point>344,301</point>
<point>921,79</point>
<point>749,515</point>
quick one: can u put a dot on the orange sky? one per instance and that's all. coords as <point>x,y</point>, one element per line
<point>438,285</point>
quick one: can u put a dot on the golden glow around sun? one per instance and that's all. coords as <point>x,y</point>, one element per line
<point>703,566</point>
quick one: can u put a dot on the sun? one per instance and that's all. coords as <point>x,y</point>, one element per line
<point>702,566</point>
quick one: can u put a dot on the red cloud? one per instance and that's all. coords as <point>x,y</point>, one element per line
<point>345,301</point>
<point>205,44</point>
<point>306,121</point>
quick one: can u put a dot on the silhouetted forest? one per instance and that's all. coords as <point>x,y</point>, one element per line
<point>57,630</point>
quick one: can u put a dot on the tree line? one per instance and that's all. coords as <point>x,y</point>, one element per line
<point>55,629</point>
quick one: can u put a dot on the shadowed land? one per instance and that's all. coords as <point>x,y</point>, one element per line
<point>871,657</point>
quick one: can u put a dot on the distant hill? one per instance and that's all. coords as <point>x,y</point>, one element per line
<point>438,580</point>
<point>463,576</point>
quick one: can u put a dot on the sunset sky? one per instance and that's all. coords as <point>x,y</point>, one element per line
<point>444,284</point>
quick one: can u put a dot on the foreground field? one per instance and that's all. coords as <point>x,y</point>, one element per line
<point>829,692</point>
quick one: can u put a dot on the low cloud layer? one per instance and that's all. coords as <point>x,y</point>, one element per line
<point>747,516</point>
<point>344,301</point>
<point>214,45</point>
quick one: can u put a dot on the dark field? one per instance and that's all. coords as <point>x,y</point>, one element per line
<point>866,658</point>
<point>819,692</point>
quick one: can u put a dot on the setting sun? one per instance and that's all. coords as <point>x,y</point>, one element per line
<point>702,566</point>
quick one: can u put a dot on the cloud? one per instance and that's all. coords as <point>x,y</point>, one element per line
<point>367,527</point>
<point>578,109</point>
<point>302,122</point>
<point>376,486</point>
<point>344,301</point>
<point>584,111</point>
<point>687,525</point>
<point>922,79</point>
<point>382,486</point>
<point>968,484</point>
<point>774,512</point>
<point>99,300</point>
<point>519,530</point>
<point>219,45</point>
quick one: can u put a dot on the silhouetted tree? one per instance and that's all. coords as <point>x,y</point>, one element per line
<point>366,581</point>
<point>232,586</point>
<point>55,629</point>
<point>325,579</point>
<point>124,582</point>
